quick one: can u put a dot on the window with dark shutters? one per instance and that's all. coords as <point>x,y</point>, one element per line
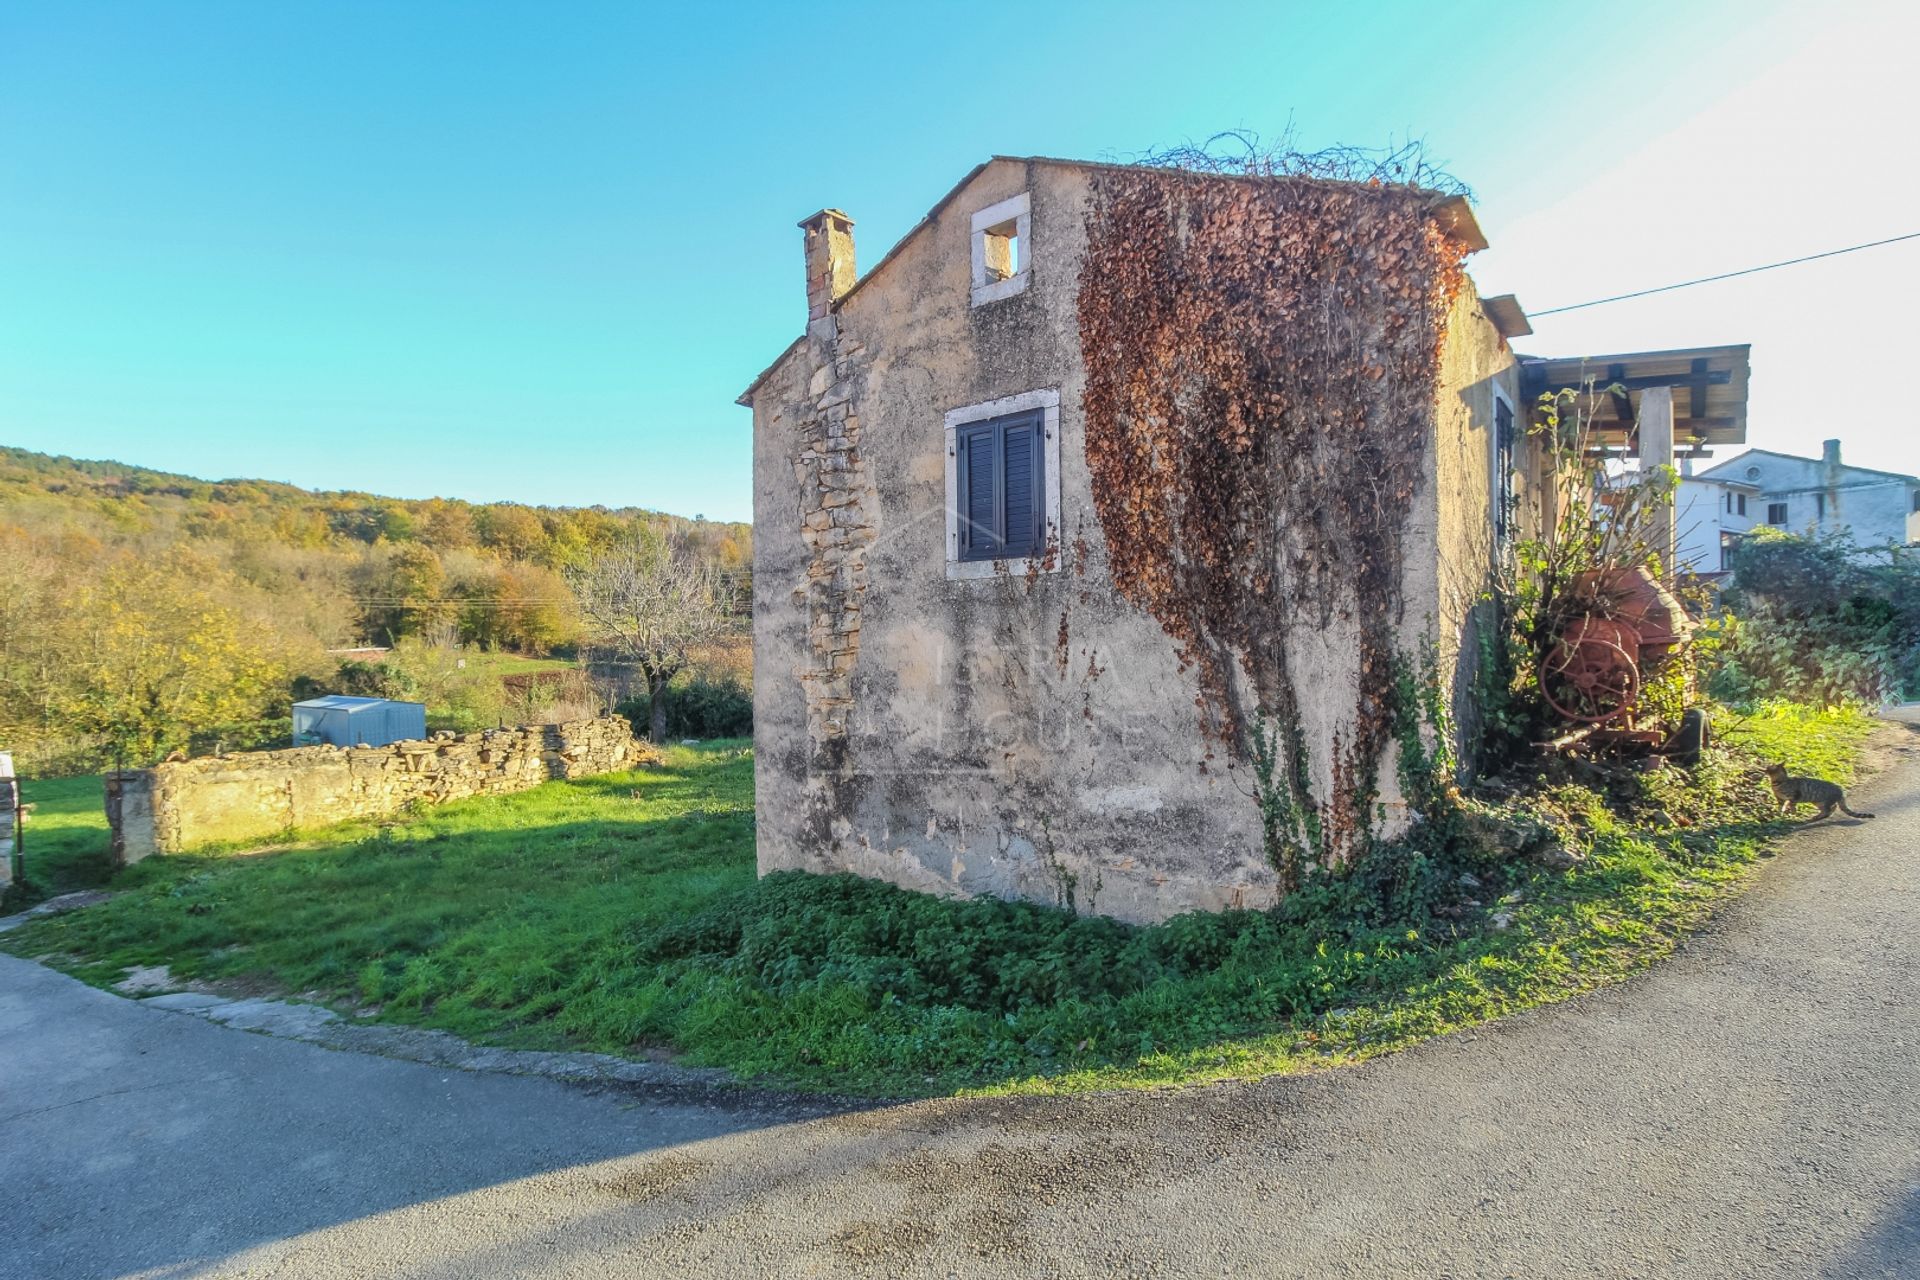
<point>998,484</point>
<point>1504,507</point>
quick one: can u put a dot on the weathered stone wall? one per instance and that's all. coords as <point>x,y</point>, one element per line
<point>262,795</point>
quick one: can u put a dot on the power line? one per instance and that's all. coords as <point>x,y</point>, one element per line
<point>1688,284</point>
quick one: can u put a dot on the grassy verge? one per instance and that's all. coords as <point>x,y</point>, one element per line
<point>621,914</point>
<point>1823,744</point>
<point>67,841</point>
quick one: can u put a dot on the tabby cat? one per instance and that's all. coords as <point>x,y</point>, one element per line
<point>1790,791</point>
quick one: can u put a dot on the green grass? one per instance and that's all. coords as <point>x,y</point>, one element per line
<point>479,916</point>
<point>1817,743</point>
<point>621,914</point>
<point>67,841</point>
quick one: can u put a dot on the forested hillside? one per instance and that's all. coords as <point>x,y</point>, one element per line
<point>138,607</point>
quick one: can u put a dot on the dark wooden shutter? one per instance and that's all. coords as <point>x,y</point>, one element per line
<point>1021,471</point>
<point>979,506</point>
<point>1503,496</point>
<point>999,487</point>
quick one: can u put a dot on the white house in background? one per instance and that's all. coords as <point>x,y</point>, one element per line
<point>1822,495</point>
<point>1709,518</point>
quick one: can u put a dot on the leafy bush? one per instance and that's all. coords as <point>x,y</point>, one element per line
<point>1605,525</point>
<point>700,708</point>
<point>1819,620</point>
<point>801,968</point>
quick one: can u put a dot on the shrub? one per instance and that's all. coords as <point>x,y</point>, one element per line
<point>1819,620</point>
<point>700,708</point>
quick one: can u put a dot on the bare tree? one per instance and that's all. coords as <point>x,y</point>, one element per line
<point>651,603</point>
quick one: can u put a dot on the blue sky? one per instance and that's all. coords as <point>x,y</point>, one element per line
<point>533,251</point>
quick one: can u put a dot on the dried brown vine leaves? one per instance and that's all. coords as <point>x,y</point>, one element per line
<point>1261,366</point>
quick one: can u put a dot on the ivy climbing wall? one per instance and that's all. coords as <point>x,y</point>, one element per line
<point>1262,365</point>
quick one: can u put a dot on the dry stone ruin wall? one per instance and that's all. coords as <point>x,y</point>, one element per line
<point>262,795</point>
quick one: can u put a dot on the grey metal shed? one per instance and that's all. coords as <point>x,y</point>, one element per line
<point>357,722</point>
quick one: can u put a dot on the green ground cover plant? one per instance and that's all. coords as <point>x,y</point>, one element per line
<point>621,914</point>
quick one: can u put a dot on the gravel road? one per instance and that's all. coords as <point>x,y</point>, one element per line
<point>1746,1109</point>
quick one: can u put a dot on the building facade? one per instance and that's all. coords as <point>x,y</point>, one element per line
<point>1824,496</point>
<point>1710,518</point>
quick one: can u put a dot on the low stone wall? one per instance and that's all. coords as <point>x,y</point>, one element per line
<point>262,795</point>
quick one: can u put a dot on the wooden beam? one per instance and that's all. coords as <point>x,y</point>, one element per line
<point>1681,426</point>
<point>1643,382</point>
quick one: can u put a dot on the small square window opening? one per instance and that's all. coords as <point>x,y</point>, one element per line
<point>1002,249</point>
<point>1776,513</point>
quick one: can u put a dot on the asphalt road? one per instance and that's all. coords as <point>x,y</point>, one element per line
<point>1751,1108</point>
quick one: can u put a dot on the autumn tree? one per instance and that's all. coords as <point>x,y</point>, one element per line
<point>406,592</point>
<point>522,607</point>
<point>156,657</point>
<point>511,530</point>
<point>32,650</point>
<point>651,602</point>
<point>447,525</point>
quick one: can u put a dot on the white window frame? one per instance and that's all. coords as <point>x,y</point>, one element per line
<point>1048,402</point>
<point>1019,211</point>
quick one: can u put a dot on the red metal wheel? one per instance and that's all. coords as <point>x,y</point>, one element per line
<point>1592,675</point>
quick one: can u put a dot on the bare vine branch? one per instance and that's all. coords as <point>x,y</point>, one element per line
<point>1244,153</point>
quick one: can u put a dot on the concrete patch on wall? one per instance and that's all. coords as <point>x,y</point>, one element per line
<point>1111,802</point>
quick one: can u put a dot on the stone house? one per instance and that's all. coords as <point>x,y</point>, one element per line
<point>1094,526</point>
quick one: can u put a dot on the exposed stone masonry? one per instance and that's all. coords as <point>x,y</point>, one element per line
<point>261,795</point>
<point>837,529</point>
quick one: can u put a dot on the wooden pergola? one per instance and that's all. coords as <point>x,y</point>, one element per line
<point>1700,392</point>
<point>1652,405</point>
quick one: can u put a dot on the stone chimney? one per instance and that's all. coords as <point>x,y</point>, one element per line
<point>830,272</point>
<point>1830,459</point>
